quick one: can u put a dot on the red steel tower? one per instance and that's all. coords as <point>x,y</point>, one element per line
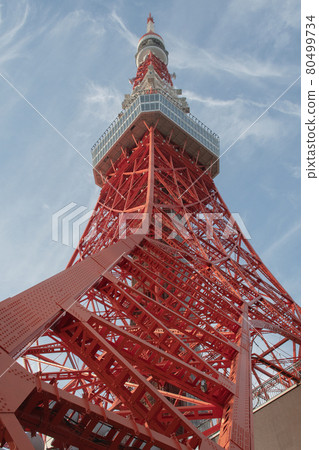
<point>165,327</point>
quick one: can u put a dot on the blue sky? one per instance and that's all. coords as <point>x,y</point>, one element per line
<point>72,60</point>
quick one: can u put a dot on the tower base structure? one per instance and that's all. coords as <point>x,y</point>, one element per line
<point>162,319</point>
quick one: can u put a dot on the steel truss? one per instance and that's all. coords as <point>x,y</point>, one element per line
<point>165,327</point>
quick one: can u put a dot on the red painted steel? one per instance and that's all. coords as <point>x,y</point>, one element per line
<point>165,327</point>
<point>159,67</point>
<point>139,325</point>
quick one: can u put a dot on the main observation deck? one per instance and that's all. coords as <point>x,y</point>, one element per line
<point>156,108</point>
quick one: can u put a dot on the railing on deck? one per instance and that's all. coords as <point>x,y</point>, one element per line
<point>155,101</point>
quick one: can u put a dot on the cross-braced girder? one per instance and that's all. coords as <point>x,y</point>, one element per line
<point>165,319</point>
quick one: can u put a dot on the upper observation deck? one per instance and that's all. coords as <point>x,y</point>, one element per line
<point>156,108</point>
<point>155,101</point>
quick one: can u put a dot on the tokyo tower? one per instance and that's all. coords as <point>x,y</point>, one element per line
<point>166,329</point>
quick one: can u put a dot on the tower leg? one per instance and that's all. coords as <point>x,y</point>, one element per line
<point>236,432</point>
<point>15,435</point>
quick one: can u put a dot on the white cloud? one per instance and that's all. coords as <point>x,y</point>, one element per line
<point>103,102</point>
<point>70,22</point>
<point>13,29</point>
<point>283,106</point>
<point>186,56</point>
<point>294,170</point>
<point>220,103</point>
<point>235,119</point>
<point>273,248</point>
<point>11,44</point>
<point>288,107</point>
<point>130,37</point>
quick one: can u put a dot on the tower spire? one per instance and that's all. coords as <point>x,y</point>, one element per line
<point>151,42</point>
<point>152,73</point>
<point>150,24</point>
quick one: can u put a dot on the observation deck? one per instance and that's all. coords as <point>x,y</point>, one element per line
<point>199,142</point>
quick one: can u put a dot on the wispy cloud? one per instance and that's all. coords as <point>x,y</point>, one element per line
<point>294,170</point>
<point>73,20</point>
<point>10,34</point>
<point>130,37</point>
<point>288,107</point>
<point>237,118</point>
<point>283,106</point>
<point>214,103</point>
<point>11,44</point>
<point>282,240</point>
<point>186,56</point>
<point>102,102</point>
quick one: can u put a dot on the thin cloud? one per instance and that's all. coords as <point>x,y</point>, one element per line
<point>11,33</point>
<point>214,102</point>
<point>102,101</point>
<point>186,56</point>
<point>240,113</point>
<point>295,171</point>
<point>11,45</point>
<point>284,106</point>
<point>130,37</point>
<point>288,107</point>
<point>75,19</point>
<point>281,241</point>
